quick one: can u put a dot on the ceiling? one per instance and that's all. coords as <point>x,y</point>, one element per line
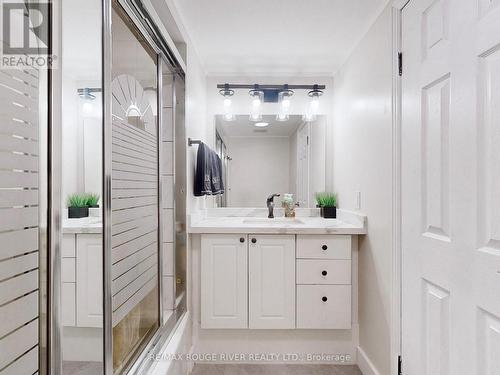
<point>243,127</point>
<point>276,36</point>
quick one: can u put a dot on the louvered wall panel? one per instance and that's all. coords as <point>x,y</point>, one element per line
<point>134,216</point>
<point>19,199</point>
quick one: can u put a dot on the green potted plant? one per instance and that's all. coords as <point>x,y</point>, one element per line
<point>327,202</point>
<point>77,206</point>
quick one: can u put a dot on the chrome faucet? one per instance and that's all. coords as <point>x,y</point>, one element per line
<point>270,205</point>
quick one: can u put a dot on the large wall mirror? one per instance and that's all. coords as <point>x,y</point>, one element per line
<point>270,156</point>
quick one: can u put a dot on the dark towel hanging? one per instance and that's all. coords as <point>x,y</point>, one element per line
<point>208,176</point>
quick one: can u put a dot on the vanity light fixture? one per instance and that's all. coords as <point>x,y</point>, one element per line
<point>284,103</point>
<point>257,96</point>
<point>264,93</point>
<point>227,93</point>
<point>261,124</point>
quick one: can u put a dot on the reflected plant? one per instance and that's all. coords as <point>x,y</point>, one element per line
<point>77,200</point>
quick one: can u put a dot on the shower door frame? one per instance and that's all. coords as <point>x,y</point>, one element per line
<point>159,337</point>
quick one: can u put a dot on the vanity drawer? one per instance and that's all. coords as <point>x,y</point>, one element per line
<point>68,246</point>
<point>324,246</point>
<point>320,271</point>
<point>324,306</point>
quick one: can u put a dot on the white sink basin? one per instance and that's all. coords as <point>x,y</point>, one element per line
<point>275,221</point>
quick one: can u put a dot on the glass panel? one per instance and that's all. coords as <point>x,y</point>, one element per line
<point>134,194</point>
<point>82,246</point>
<point>23,195</point>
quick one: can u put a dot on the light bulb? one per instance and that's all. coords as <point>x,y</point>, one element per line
<point>315,104</point>
<point>257,99</point>
<point>284,103</point>
<point>228,114</point>
<point>262,124</point>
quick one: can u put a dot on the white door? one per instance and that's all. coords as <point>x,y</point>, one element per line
<point>224,281</point>
<point>89,280</point>
<point>271,274</point>
<point>451,187</point>
<point>303,165</point>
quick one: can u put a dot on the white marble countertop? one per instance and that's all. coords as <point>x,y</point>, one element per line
<point>244,220</point>
<point>90,225</point>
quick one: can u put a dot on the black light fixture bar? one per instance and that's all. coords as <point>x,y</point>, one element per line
<point>237,86</point>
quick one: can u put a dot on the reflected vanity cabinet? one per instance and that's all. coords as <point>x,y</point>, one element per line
<point>276,281</point>
<point>81,280</point>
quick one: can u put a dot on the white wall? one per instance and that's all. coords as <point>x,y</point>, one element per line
<point>197,126</point>
<point>260,167</point>
<point>362,161</point>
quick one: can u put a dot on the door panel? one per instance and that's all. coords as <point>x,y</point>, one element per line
<point>134,191</point>
<point>271,275</point>
<point>224,281</point>
<point>451,187</point>
<point>88,282</point>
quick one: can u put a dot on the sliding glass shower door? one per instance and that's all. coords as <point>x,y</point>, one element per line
<point>134,191</point>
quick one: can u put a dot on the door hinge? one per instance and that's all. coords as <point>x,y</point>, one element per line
<point>400,365</point>
<point>400,63</point>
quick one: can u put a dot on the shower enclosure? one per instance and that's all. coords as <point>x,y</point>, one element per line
<point>101,291</point>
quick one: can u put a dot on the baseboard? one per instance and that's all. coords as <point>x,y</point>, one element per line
<point>365,365</point>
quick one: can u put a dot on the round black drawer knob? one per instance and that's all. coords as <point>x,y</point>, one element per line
<point>242,240</point>
<point>324,299</point>
<point>324,247</point>
<point>324,273</point>
<point>254,240</point>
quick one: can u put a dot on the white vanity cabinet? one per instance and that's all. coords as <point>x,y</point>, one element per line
<point>276,281</point>
<point>271,275</point>
<point>224,281</point>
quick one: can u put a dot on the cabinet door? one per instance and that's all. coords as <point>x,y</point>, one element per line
<point>272,281</point>
<point>89,280</point>
<point>224,282</point>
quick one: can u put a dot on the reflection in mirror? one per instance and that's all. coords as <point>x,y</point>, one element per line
<point>81,252</point>
<point>270,156</point>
